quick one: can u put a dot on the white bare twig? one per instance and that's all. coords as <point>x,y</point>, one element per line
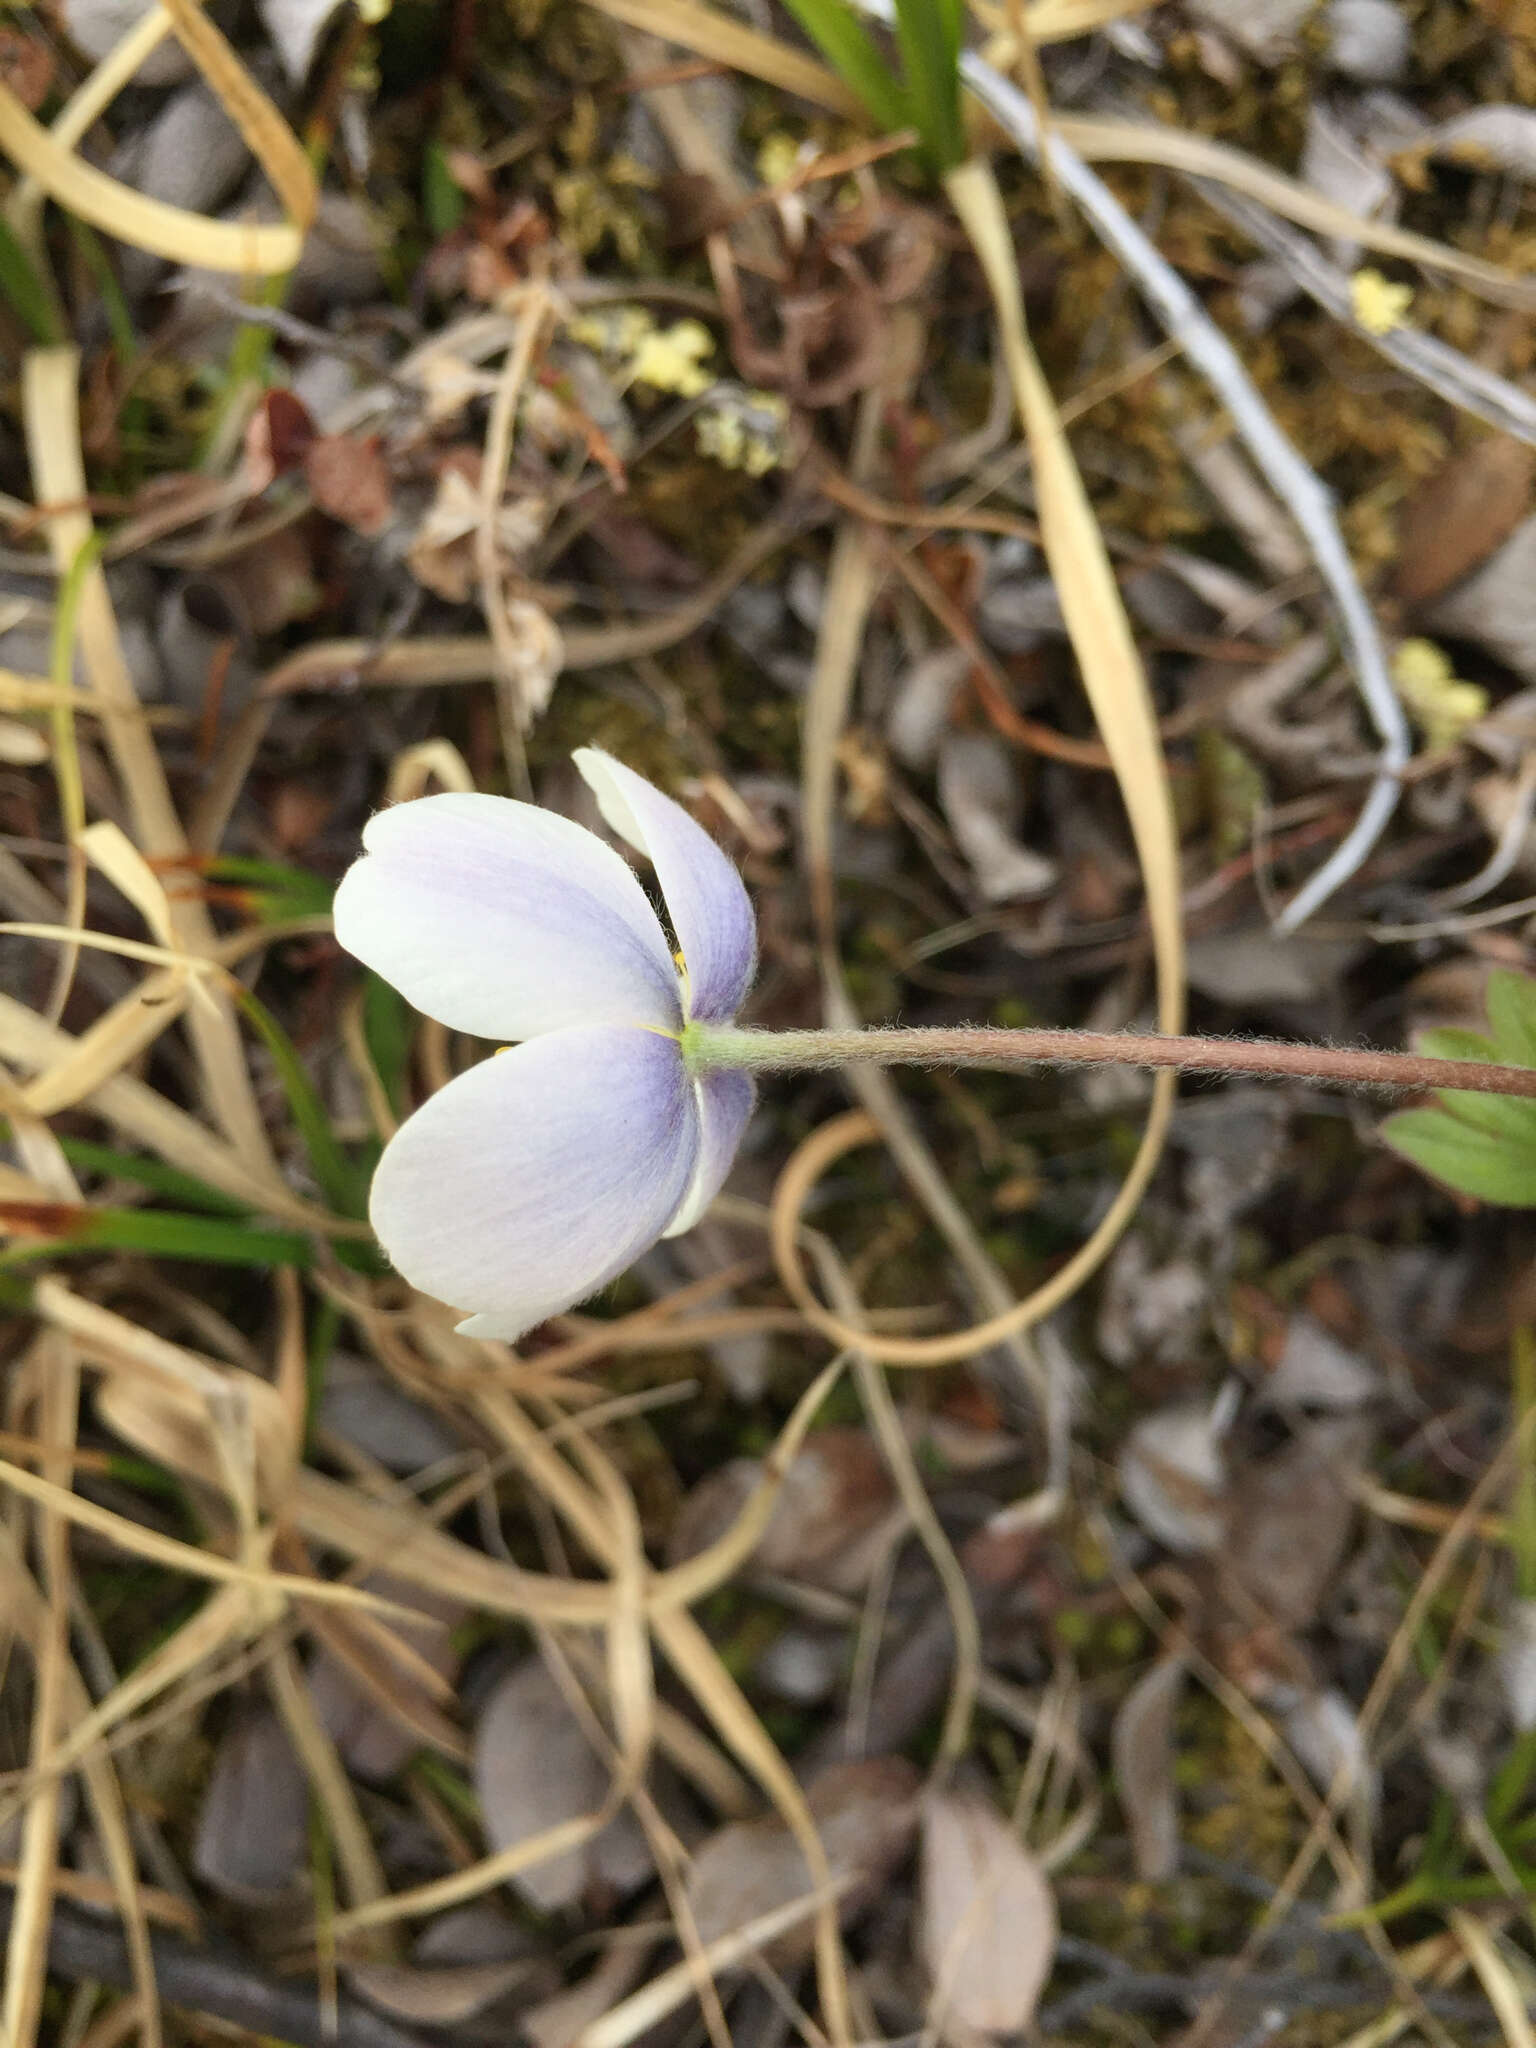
<point>1294,482</point>
<point>1443,369</point>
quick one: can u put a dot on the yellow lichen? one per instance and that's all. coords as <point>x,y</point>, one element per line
<point>1441,705</point>
<point>745,430</point>
<point>662,358</point>
<point>1379,304</point>
<point>778,157</point>
<point>672,359</point>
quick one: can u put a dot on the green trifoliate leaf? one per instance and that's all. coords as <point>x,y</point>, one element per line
<point>1491,1165</point>
<point>1512,1014</point>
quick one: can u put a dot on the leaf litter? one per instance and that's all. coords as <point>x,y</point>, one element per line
<point>447,389</point>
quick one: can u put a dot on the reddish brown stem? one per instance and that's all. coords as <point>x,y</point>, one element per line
<point>980,1046</point>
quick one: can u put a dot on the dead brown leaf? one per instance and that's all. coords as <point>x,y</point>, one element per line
<point>26,66</point>
<point>988,1927</point>
<point>1173,1475</point>
<point>1495,607</point>
<point>1461,514</point>
<point>350,480</point>
<point>446,1997</point>
<point>278,438</point>
<point>533,1769</point>
<point>865,1813</point>
<point>835,1492</point>
<point>1141,1744</point>
<point>250,1844</point>
<point>1289,1519</point>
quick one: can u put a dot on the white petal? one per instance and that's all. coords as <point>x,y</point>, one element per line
<point>499,918</point>
<point>534,1179</point>
<point>706,899</point>
<point>724,1097</point>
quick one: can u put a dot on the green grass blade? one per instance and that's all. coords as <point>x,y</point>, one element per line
<point>114,302</point>
<point>271,890</point>
<point>849,48</point>
<point>154,1174</point>
<point>26,293</point>
<point>343,1180</point>
<point>339,1178</point>
<point>155,1233</point>
<point>387,1028</point>
<point>1512,1781</point>
<point>928,33</point>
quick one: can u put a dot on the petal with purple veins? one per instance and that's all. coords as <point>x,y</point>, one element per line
<point>706,898</point>
<point>725,1097</point>
<point>535,1178</point>
<point>498,918</point>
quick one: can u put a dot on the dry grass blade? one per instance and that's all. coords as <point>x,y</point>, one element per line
<point>249,250</point>
<point>710,32</point>
<point>522,686</point>
<point>113,1042</point>
<point>696,1661</point>
<point>186,1557</point>
<point>699,1666</point>
<point>1117,688</point>
<point>1097,625</point>
<point>1504,1990</point>
<point>1294,482</point>
<point>635,2015</point>
<point>27,1951</point>
<point>84,108</point>
<point>38,693</point>
<point>376,1533</point>
<point>49,165</point>
<point>52,419</point>
<point>462,1885</point>
<point>51,414</point>
<point>109,849</point>
<point>1057,21</point>
<point>1099,138</point>
<point>104,942</point>
<point>267,135</point>
<point>852,580</point>
<point>719,1561</point>
<point>49,1173</point>
<point>330,1787</point>
<point>1104,138</point>
<point>26,1608</point>
<point>119,1344</point>
<point>631,1677</point>
<point>1322,1834</point>
<point>875,1394</point>
<point>1460,380</point>
<point>229,1617</point>
<point>145,1116</point>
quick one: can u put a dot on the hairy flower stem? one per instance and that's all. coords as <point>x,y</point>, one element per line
<point>967,1045</point>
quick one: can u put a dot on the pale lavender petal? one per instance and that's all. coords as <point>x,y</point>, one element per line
<point>534,1179</point>
<point>725,1096</point>
<point>499,918</point>
<point>706,899</point>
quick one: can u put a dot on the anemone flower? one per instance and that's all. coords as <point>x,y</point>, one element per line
<point>536,1177</point>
